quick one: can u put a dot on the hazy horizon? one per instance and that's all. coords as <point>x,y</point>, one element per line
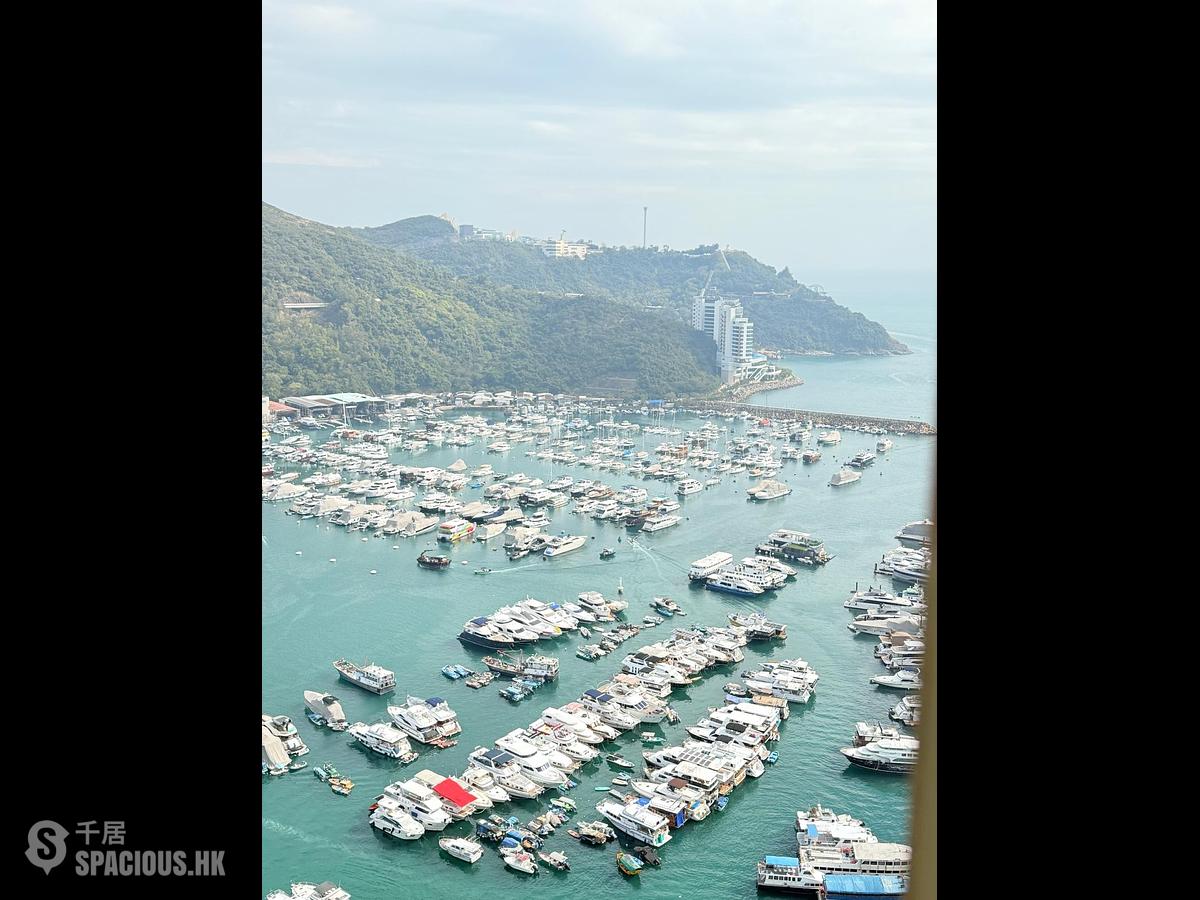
<point>805,134</point>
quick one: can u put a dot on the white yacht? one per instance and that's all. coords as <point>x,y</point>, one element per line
<point>393,819</point>
<point>883,445</point>
<point>862,460</point>
<point>903,680</point>
<point>532,761</point>
<point>420,802</point>
<point>506,770</point>
<point>417,721</point>
<point>456,800</point>
<point>659,522</point>
<point>689,486</point>
<point>488,530</point>
<point>769,490</point>
<point>382,738</point>
<point>844,476</point>
<point>636,821</point>
<point>829,437</point>
<point>482,783</point>
<point>897,756</point>
<point>461,848</point>
<point>554,716</point>
<point>557,546</point>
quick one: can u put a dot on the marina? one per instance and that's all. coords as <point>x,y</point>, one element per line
<point>408,619</point>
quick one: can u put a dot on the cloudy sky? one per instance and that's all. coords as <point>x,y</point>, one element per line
<point>802,131</point>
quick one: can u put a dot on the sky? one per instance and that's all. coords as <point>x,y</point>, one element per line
<point>802,132</point>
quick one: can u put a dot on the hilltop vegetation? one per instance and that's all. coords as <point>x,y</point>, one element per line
<point>397,323</point>
<point>786,314</point>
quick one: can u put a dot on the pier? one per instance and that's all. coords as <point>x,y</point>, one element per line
<point>832,419</point>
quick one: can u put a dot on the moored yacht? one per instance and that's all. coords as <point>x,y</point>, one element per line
<point>636,821</point>
<point>482,633</point>
<point>897,755</point>
<point>689,486</point>
<point>505,770</point>
<point>325,709</point>
<point>558,546</point>
<point>383,738</point>
<point>420,802</point>
<point>844,476</point>
<point>534,764</point>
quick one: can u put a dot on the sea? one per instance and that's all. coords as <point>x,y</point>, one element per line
<point>325,603</point>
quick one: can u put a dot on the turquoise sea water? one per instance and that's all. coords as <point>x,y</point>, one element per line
<point>407,619</point>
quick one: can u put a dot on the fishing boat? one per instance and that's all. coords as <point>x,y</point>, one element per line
<point>628,863</point>
<point>325,771</point>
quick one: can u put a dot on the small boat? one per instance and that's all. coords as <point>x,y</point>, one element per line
<point>619,781</point>
<point>519,860</point>
<point>297,766</point>
<point>584,632</point>
<point>341,786</point>
<point>480,679</point>
<point>628,863</point>
<point>513,693</point>
<point>722,802</point>
<point>648,855</point>
<point>564,803</point>
<point>651,621</point>
<point>429,560</point>
<point>608,553</point>
<point>617,760</point>
<point>556,859</point>
<point>772,758</point>
<point>649,737</point>
<point>456,671</point>
<point>603,788</point>
<point>326,771</point>
<point>461,848</point>
<point>483,571</point>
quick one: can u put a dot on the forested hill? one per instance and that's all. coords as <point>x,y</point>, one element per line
<point>786,314</point>
<point>394,322</point>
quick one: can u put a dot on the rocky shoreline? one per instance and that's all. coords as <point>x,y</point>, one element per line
<point>741,391</point>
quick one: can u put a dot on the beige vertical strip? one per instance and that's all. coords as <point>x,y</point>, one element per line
<point>924,830</point>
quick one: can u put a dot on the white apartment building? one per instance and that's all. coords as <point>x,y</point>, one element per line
<point>725,322</point>
<point>564,248</point>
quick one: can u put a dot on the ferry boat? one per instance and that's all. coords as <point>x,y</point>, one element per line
<point>429,560</point>
<point>369,677</point>
<point>383,738</point>
<point>709,565</point>
<point>729,583</point>
<point>784,873</point>
<point>862,460</point>
<point>898,756</point>
<point>858,858</point>
<point>557,546</point>
<point>844,476</point>
<point>455,530</point>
